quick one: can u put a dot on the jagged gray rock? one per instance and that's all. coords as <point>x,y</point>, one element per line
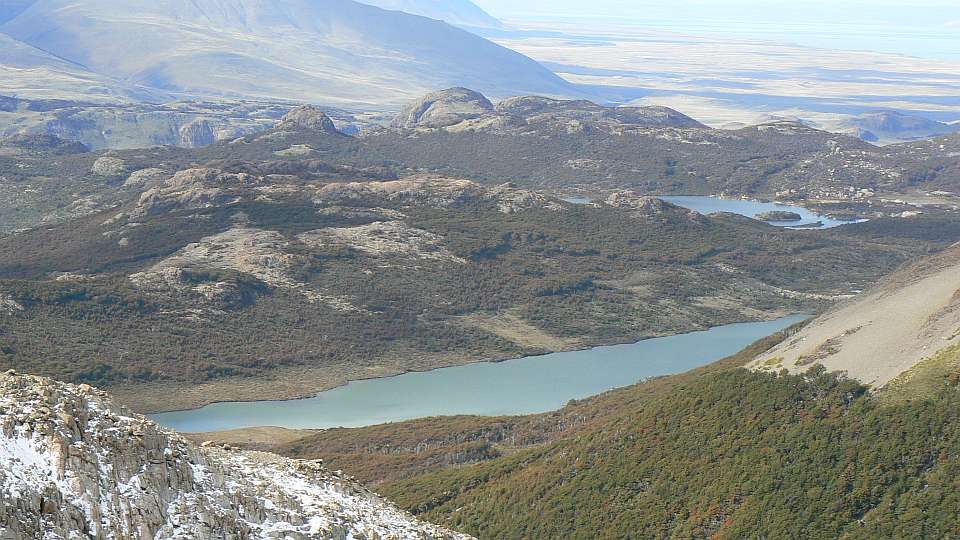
<point>444,108</point>
<point>73,464</point>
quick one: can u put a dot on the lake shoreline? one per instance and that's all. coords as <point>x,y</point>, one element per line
<point>182,419</point>
<point>124,392</point>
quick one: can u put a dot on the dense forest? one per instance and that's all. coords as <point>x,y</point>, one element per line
<point>719,452</point>
<point>729,455</point>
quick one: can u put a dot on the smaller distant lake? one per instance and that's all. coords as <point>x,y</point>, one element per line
<point>523,386</point>
<point>712,205</point>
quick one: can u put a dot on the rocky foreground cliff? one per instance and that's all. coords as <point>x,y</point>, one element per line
<point>74,465</point>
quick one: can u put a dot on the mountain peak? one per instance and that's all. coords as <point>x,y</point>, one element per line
<point>458,12</point>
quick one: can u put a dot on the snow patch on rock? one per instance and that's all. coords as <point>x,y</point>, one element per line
<point>73,464</point>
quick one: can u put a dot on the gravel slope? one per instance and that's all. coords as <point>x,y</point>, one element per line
<point>885,331</point>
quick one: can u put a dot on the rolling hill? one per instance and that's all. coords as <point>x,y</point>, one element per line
<point>329,51</point>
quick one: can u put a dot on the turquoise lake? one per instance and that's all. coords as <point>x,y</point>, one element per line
<point>522,386</point>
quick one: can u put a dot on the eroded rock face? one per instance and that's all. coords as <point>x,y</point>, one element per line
<point>442,109</point>
<point>309,118</point>
<point>196,134</point>
<point>73,464</point>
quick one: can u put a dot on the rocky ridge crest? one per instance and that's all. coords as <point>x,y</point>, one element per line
<point>73,464</point>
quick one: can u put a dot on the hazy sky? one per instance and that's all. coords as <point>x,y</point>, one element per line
<point>929,28</point>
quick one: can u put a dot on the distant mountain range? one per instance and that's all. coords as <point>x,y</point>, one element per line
<point>893,126</point>
<point>329,51</point>
<point>458,12</point>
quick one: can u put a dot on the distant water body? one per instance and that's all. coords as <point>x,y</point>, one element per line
<point>523,386</point>
<point>710,205</point>
<point>751,209</point>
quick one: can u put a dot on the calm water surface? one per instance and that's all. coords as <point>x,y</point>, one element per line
<point>711,205</point>
<point>522,386</point>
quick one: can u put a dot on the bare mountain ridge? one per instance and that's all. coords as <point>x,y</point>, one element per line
<point>458,12</point>
<point>893,126</point>
<point>324,51</point>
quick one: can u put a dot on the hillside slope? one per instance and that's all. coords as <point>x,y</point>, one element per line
<point>875,337</point>
<point>72,463</point>
<point>27,70</point>
<point>330,51</point>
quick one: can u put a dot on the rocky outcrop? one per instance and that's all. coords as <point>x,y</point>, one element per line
<point>437,192</point>
<point>261,254</point>
<point>196,134</point>
<point>390,238</point>
<point>310,118</point>
<point>651,207</point>
<point>145,177</point>
<point>194,188</point>
<point>8,305</point>
<point>443,109</point>
<point>108,166</point>
<point>460,109</point>
<point>72,464</point>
